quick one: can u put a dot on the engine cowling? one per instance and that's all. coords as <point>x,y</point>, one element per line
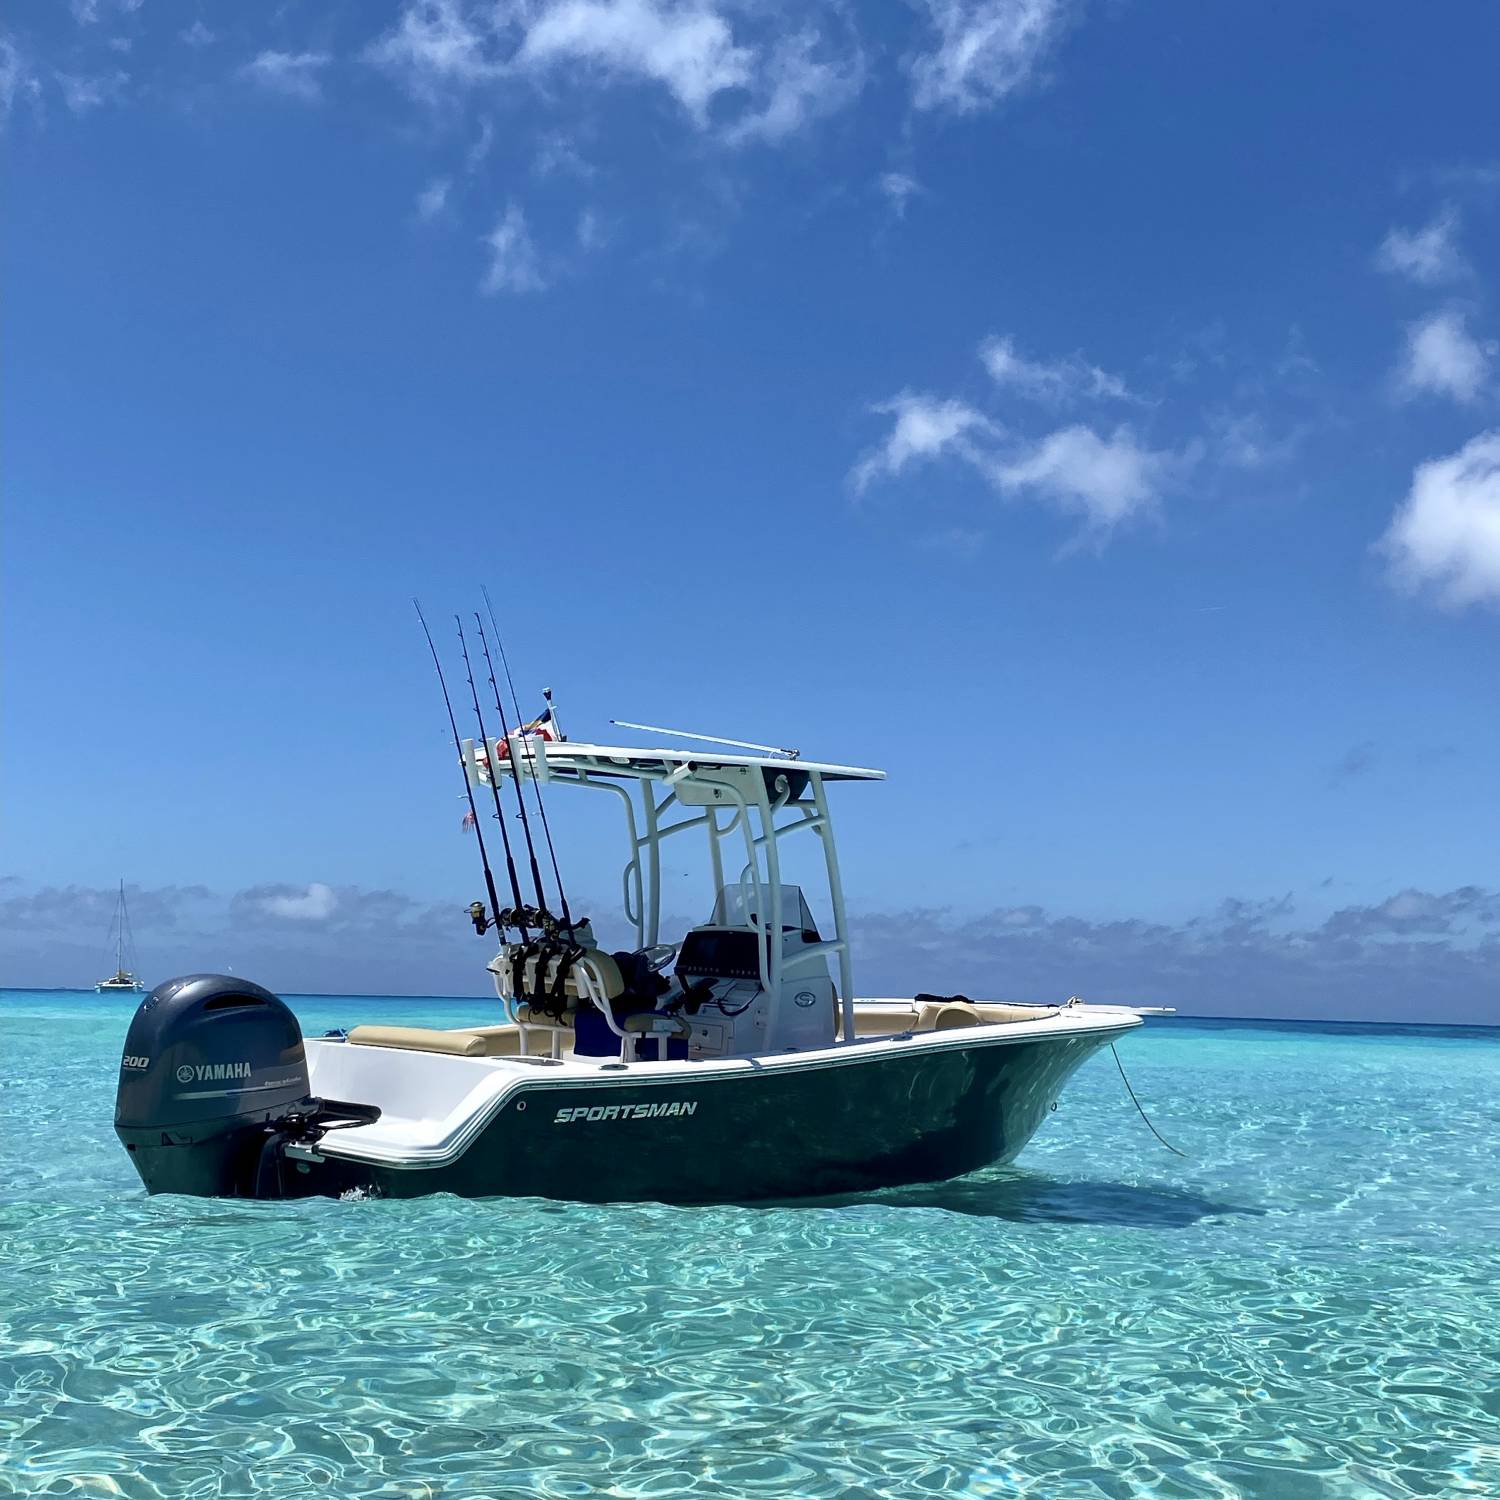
<point>211,1062</point>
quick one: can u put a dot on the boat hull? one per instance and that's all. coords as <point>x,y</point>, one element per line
<point>867,1119</point>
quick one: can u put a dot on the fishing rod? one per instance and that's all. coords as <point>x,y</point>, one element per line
<point>519,910</point>
<point>541,808</point>
<point>536,873</point>
<point>484,859</point>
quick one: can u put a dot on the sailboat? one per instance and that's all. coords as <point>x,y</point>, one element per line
<point>123,979</point>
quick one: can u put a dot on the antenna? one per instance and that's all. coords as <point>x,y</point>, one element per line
<point>711,739</point>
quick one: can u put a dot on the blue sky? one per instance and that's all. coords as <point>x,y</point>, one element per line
<point>1090,413</point>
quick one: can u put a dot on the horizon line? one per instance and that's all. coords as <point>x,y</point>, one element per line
<point>35,989</point>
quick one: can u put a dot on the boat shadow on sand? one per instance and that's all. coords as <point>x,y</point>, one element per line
<point>1026,1198</point>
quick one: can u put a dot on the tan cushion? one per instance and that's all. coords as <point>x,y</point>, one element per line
<point>526,1016</point>
<point>949,1014</point>
<point>608,970</point>
<point>875,1023</point>
<point>420,1039</point>
<point>499,1041</point>
<point>989,1014</point>
<point>946,1016</point>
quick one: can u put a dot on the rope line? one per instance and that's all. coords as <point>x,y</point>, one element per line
<point>1149,1126</point>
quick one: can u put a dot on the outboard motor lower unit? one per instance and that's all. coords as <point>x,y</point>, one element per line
<point>211,1064</point>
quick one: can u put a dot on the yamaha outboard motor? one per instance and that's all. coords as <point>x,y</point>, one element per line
<point>211,1064</point>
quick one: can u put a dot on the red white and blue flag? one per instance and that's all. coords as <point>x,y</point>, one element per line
<point>539,728</point>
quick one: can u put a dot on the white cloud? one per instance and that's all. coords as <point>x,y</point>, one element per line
<point>1479,176</point>
<point>1428,255</point>
<point>18,82</point>
<point>1057,381</point>
<point>1446,533</point>
<point>433,46</point>
<point>316,904</point>
<point>925,427</point>
<point>196,35</point>
<point>800,87</point>
<point>513,260</point>
<point>433,199</point>
<point>1242,440</point>
<point>556,154</point>
<point>475,155</point>
<point>292,73</point>
<point>83,94</point>
<point>1107,480</point>
<point>985,50</point>
<point>1443,359</point>
<point>87,12</point>
<point>899,188</point>
<point>688,49</point>
<point>593,234</point>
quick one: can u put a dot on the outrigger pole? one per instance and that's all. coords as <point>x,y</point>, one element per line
<point>484,859</point>
<point>541,808</point>
<point>519,910</point>
<point>711,739</point>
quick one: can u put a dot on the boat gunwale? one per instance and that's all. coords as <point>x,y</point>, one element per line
<point>608,1074</point>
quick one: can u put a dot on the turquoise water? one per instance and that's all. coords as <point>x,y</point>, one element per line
<point>1309,1306</point>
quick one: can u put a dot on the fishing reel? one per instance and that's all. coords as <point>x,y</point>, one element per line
<point>521,918</point>
<point>526,920</point>
<point>535,919</point>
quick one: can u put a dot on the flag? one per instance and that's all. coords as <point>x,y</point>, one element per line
<point>468,821</point>
<point>541,727</point>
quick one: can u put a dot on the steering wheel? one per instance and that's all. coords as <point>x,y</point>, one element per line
<point>659,956</point>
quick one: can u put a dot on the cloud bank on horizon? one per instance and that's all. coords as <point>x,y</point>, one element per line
<point>1413,955</point>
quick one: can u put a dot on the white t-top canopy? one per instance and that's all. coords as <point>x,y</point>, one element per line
<point>599,760</point>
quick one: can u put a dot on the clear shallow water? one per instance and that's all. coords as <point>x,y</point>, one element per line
<point>1308,1307</point>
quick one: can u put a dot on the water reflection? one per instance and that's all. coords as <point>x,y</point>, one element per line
<point>1028,1198</point>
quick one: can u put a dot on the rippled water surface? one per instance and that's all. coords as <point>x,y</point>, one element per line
<point>1308,1306</point>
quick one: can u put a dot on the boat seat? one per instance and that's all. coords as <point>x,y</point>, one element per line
<point>945,1015</point>
<point>877,1024</point>
<point>526,1016</point>
<point>499,1041</point>
<point>488,1041</point>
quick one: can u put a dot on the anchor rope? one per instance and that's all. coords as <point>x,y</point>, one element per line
<point>1147,1118</point>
